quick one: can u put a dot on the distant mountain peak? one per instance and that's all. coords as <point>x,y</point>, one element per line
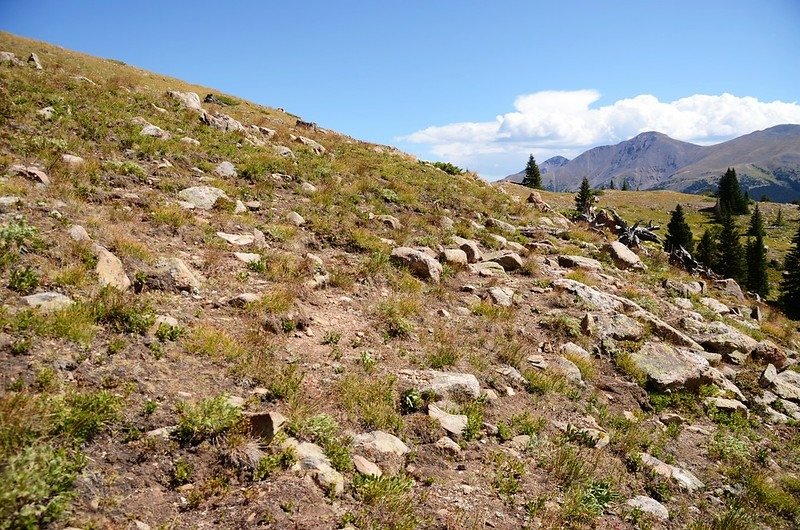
<point>767,161</point>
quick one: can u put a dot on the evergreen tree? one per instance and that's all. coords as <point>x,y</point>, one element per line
<point>678,232</point>
<point>779,217</point>
<point>729,260</point>
<point>533,178</point>
<point>625,186</point>
<point>790,285</point>
<point>611,185</point>
<point>730,194</point>
<point>707,249</point>
<point>757,279</point>
<point>585,197</point>
<point>756,227</point>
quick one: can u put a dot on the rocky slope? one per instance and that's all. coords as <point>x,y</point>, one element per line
<point>767,162</point>
<point>218,315</point>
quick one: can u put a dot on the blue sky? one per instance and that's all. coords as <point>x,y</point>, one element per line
<point>477,83</point>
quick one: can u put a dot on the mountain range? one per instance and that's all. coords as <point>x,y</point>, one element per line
<point>767,163</point>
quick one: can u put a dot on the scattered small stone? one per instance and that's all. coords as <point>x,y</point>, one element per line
<point>46,113</point>
<point>307,187</point>
<point>72,160</point>
<point>452,423</point>
<point>247,257</point>
<point>365,467</point>
<point>203,197</point>
<point>649,506</point>
<point>30,172</point>
<point>237,239</point>
<point>419,263</point>
<point>33,60</point>
<point>48,301</point>
<point>225,170</point>
<point>295,218</point>
<point>448,445</point>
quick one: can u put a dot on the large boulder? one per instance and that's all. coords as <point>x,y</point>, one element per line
<point>419,263</point>
<point>684,478</point>
<point>203,197</point>
<point>623,257</point>
<point>444,385</point>
<point>381,442</point>
<point>649,506</point>
<point>507,259</point>
<point>470,248</point>
<point>501,225</point>
<point>225,170</point>
<point>109,269</point>
<point>454,256</point>
<point>721,338</point>
<point>730,287</point>
<point>189,100</point>
<point>619,326</point>
<point>672,368</point>
<point>600,300</point>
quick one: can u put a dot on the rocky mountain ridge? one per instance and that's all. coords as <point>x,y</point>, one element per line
<point>767,162</point>
<point>217,314</point>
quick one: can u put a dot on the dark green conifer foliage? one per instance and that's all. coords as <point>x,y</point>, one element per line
<point>585,197</point>
<point>790,285</point>
<point>678,232</point>
<point>757,278</point>
<point>730,254</point>
<point>707,249</point>
<point>611,185</point>
<point>625,186</point>
<point>533,178</point>
<point>756,224</point>
<point>731,198</point>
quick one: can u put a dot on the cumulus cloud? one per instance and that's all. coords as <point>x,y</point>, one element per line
<point>567,123</point>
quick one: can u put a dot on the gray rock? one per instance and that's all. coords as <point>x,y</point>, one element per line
<point>33,60</point>
<point>78,233</point>
<point>189,100</point>
<point>730,287</point>
<point>665,331</point>
<point>203,197</point>
<point>619,327</point>
<point>579,262</point>
<point>470,248</point>
<point>365,467</point>
<point>502,225</point>
<point>10,58</point>
<point>265,424</point>
<point>684,478</point>
<point>768,351</point>
<point>223,122</point>
<point>502,296</point>
<point>29,172</point>
<point>154,131</point>
<point>295,218</point>
<point>486,268</point>
<point>452,423</point>
<point>179,275</point>
<point>312,459</point>
<point>721,338</point>
<point>715,305</point>
<point>568,369</point>
<point>668,367</point>
<point>419,263</point>
<point>570,348</point>
<point>602,301</point>
<point>307,187</point>
<point>507,259</point>
<point>282,150</point>
<point>247,257</point>
<point>454,256</point>
<point>48,301</point>
<point>444,385</point>
<point>237,239</point>
<point>390,221</point>
<point>225,170</point>
<point>72,160</point>
<point>448,445</point>
<point>649,506</point>
<point>787,385</point>
<point>769,376</point>
<point>381,442</point>
<point>624,258</point>
<point>6,203</point>
<point>109,269</point>
<point>313,144</point>
<point>727,405</point>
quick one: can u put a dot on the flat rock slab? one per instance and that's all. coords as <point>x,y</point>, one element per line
<point>381,442</point>
<point>48,301</point>
<point>452,423</point>
<point>109,269</point>
<point>203,197</point>
<point>237,239</point>
<point>668,367</point>
<point>443,385</point>
<point>649,506</point>
<point>684,478</point>
<point>624,258</point>
<point>579,262</point>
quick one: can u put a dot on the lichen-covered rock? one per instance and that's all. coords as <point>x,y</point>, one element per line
<point>444,385</point>
<point>509,260</point>
<point>668,367</point>
<point>624,258</point>
<point>203,197</point>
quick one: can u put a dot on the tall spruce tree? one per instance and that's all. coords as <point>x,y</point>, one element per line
<point>585,197</point>
<point>731,198</point>
<point>756,226</point>
<point>729,260</point>
<point>625,186</point>
<point>611,185</point>
<point>678,232</point>
<point>757,278</point>
<point>707,249</point>
<point>790,285</point>
<point>533,178</point>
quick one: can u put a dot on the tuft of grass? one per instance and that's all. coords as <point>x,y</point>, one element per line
<point>508,473</point>
<point>23,281</point>
<point>562,324</point>
<point>283,459</point>
<point>371,401</point>
<point>324,431</point>
<point>540,382</point>
<point>388,502</point>
<point>212,342</point>
<point>81,416</point>
<point>393,315</point>
<point>206,420</point>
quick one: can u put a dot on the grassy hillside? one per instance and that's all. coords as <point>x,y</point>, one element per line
<point>272,362</point>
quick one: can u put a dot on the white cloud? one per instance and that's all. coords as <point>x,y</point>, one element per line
<point>550,123</point>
